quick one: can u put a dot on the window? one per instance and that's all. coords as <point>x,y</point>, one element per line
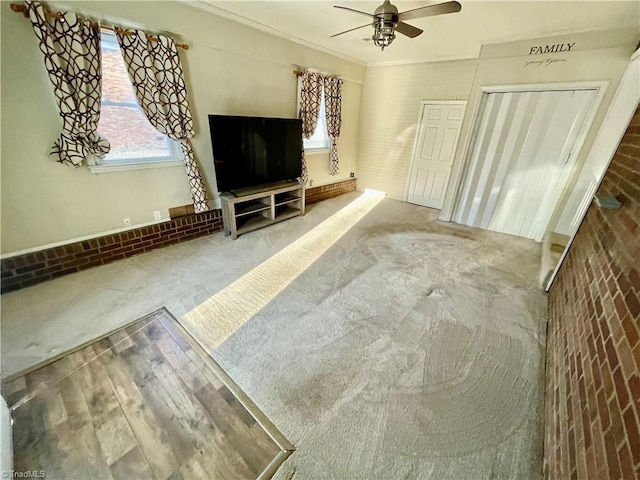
<point>319,140</point>
<point>133,139</point>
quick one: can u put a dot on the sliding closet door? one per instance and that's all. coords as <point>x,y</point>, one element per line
<point>519,161</point>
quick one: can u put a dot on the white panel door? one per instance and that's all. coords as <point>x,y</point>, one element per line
<point>524,146</point>
<point>435,148</point>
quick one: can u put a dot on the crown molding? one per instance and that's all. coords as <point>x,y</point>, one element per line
<point>206,6</point>
<point>415,62</point>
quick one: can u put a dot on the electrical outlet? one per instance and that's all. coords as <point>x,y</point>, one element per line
<point>157,215</point>
<point>311,183</point>
<point>126,221</point>
<point>352,175</point>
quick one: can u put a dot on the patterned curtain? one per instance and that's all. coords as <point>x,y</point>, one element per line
<point>71,48</point>
<point>156,73</point>
<point>310,97</point>
<point>333,113</point>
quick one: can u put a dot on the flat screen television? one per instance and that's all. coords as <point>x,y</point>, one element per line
<point>250,151</point>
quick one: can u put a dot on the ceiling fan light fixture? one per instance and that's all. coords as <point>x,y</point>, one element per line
<point>384,34</point>
<point>387,20</point>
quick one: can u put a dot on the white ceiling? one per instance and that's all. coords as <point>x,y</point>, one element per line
<point>446,37</point>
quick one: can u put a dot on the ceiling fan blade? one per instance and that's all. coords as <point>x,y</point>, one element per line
<point>353,10</point>
<point>430,11</point>
<point>351,30</point>
<point>408,30</point>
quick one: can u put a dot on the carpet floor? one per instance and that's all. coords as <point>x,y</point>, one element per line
<point>410,348</point>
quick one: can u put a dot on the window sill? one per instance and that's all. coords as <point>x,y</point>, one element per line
<point>123,167</point>
<point>313,151</point>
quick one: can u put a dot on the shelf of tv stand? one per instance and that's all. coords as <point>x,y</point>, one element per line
<point>285,198</point>
<point>249,209</point>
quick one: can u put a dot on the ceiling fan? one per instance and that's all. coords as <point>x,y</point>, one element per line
<point>387,20</point>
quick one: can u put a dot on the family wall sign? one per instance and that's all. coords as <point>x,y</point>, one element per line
<point>557,48</point>
<point>546,49</point>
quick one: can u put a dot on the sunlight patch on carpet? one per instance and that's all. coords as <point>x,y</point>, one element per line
<point>218,317</point>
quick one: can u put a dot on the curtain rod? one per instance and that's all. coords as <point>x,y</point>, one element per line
<point>25,11</point>
<point>299,73</point>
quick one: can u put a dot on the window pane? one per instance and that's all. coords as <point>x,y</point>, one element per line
<point>319,139</point>
<point>116,86</point>
<point>122,122</point>
<point>131,135</point>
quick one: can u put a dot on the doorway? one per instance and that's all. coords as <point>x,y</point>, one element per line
<point>435,147</point>
<point>524,147</point>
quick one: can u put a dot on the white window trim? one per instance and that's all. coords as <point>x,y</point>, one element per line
<point>98,165</point>
<point>313,150</point>
<point>143,164</point>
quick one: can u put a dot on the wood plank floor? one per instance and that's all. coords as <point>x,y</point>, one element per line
<point>141,403</point>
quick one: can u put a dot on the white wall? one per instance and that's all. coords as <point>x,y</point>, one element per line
<point>229,68</point>
<point>612,129</point>
<point>595,56</point>
<point>392,94</point>
<point>389,117</point>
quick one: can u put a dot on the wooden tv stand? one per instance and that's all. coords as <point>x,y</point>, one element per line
<point>256,207</point>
